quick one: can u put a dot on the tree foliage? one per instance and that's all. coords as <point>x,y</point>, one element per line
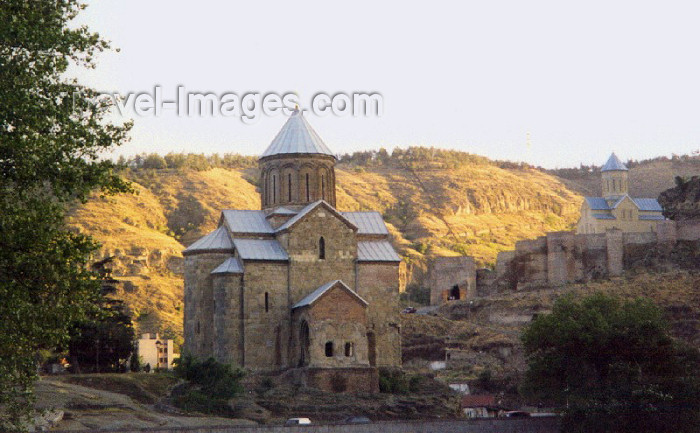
<point>104,340</point>
<point>51,139</point>
<point>210,385</point>
<point>613,366</point>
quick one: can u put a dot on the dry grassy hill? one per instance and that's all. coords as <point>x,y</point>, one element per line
<point>435,203</point>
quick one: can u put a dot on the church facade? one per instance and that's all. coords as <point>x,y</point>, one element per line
<point>616,209</point>
<point>297,284</point>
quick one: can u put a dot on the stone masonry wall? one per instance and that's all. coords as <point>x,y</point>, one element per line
<point>488,425</point>
<point>447,272</point>
<point>564,257</point>
<point>377,283</point>
<point>199,303</point>
<point>266,330</point>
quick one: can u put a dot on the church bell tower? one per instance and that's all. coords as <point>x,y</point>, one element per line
<point>296,168</point>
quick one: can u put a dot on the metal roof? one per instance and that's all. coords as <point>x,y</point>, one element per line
<point>247,221</point>
<point>597,203</point>
<point>313,296</point>
<point>648,204</point>
<point>297,136</point>
<point>603,216</point>
<point>282,211</point>
<point>652,217</point>
<point>620,200</point>
<point>308,208</point>
<point>368,223</point>
<point>230,266</point>
<point>260,249</point>
<point>376,251</point>
<point>613,164</point>
<point>218,240</point>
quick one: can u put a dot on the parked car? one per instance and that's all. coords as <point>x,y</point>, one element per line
<point>357,420</point>
<point>297,421</point>
<point>516,414</point>
<point>409,310</point>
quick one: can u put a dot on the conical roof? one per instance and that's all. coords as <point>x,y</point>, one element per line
<point>613,164</point>
<point>297,136</point>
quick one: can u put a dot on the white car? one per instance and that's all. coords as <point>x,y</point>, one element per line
<point>297,421</point>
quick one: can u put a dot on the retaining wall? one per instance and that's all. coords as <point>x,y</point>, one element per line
<point>493,425</point>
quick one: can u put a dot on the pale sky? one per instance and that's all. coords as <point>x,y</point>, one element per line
<point>582,79</point>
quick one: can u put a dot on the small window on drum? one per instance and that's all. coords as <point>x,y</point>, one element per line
<point>349,349</point>
<point>329,349</point>
<point>267,302</point>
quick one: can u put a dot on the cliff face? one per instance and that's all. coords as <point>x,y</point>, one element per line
<point>683,201</point>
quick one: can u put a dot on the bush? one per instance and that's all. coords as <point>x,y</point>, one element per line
<point>393,381</point>
<point>216,379</point>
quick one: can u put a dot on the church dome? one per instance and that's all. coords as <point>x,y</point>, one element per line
<point>297,168</point>
<point>297,137</point>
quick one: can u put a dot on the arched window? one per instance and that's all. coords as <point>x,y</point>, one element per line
<point>196,329</point>
<point>349,349</point>
<point>323,188</point>
<point>267,302</point>
<point>322,249</point>
<point>308,194</point>
<point>289,187</point>
<point>329,349</point>
<point>274,189</point>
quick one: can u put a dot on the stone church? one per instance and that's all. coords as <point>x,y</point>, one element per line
<point>298,285</point>
<point>616,209</point>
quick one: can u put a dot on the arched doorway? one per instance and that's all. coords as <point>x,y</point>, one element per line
<point>454,292</point>
<point>304,343</point>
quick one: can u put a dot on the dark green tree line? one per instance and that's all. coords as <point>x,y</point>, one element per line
<point>612,367</point>
<point>52,137</point>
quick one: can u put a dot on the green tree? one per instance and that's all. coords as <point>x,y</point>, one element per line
<point>613,367</point>
<point>105,339</point>
<point>52,137</point>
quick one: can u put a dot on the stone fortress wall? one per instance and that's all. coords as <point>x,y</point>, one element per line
<point>559,258</point>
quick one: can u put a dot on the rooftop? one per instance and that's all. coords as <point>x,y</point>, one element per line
<point>316,294</point>
<point>613,164</point>
<point>297,136</point>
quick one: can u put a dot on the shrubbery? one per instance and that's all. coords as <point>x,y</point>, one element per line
<point>392,381</point>
<point>211,385</point>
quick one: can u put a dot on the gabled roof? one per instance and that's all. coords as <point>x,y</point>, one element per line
<point>308,208</point>
<point>368,223</point>
<point>620,200</point>
<point>297,136</point>
<point>643,204</point>
<point>597,203</point>
<point>316,294</point>
<point>247,221</point>
<point>376,251</point>
<point>648,204</point>
<point>260,249</point>
<point>613,164</point>
<point>230,266</point>
<point>218,240</point>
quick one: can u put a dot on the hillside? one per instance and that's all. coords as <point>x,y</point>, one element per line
<point>485,332</point>
<point>435,202</point>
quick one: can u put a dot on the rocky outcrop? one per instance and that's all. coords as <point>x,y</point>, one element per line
<point>682,202</point>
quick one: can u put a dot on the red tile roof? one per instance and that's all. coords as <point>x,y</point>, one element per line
<point>485,400</point>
